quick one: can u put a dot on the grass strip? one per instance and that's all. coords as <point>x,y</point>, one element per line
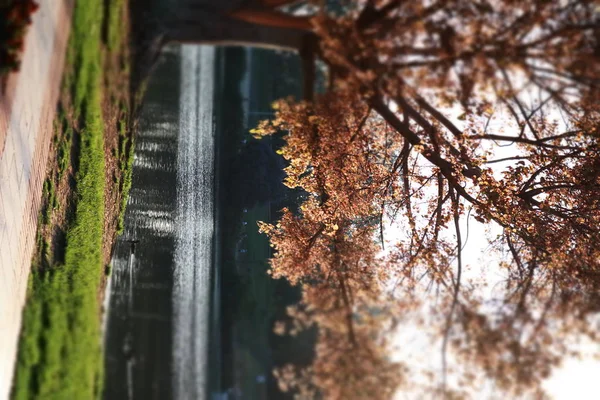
<point>127,144</point>
<point>60,354</point>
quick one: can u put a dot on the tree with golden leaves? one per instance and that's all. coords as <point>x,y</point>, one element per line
<point>438,112</point>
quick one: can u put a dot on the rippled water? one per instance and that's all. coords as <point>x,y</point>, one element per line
<point>195,223</point>
<point>171,332</point>
<point>157,325</point>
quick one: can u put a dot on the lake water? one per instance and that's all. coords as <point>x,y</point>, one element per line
<point>191,308</point>
<point>158,320</point>
<point>194,223</point>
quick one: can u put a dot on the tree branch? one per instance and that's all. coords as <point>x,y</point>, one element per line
<point>455,202</point>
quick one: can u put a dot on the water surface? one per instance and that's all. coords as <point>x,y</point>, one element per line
<point>158,320</point>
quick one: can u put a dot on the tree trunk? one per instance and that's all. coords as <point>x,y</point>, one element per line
<point>204,26</point>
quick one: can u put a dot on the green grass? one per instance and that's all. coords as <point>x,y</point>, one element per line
<point>114,31</point>
<point>126,146</point>
<point>60,354</point>
<point>49,193</point>
<point>64,146</point>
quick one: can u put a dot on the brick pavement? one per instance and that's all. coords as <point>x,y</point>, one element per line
<point>27,108</point>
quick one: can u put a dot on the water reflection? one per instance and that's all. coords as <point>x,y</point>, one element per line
<point>195,224</point>
<point>139,323</point>
<point>167,336</point>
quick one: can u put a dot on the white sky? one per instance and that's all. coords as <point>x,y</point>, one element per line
<point>574,379</point>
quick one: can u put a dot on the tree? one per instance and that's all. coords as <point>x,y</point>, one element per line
<point>438,112</point>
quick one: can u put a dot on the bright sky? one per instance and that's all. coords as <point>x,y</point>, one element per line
<point>574,379</point>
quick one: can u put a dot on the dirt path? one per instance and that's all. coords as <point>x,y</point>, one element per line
<point>27,109</point>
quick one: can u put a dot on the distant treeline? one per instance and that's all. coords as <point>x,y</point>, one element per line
<point>251,175</point>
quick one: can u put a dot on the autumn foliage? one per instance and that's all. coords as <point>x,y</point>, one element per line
<point>330,248</point>
<point>439,113</point>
